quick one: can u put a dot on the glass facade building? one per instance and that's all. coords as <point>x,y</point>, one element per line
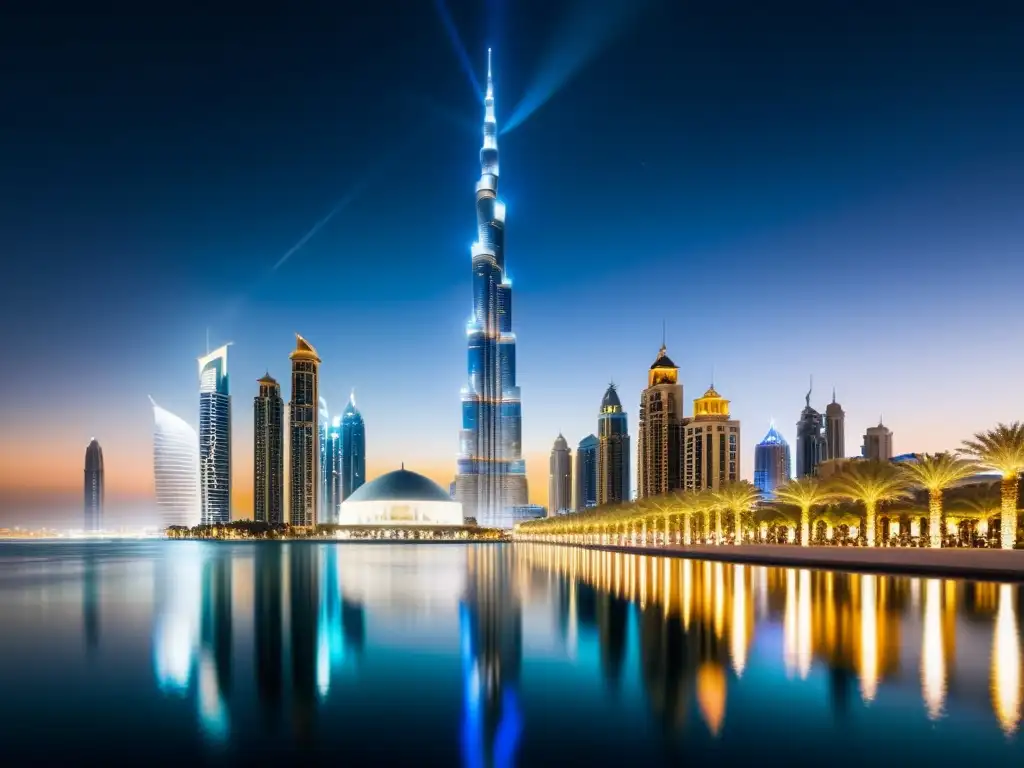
<point>491,472</point>
<point>304,458</point>
<point>93,486</point>
<point>175,469</point>
<point>586,473</point>
<point>353,449</point>
<point>214,438</point>
<point>811,448</point>
<point>771,463</point>
<point>613,484</point>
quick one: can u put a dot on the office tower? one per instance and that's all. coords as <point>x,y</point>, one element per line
<point>302,412</point>
<point>810,442</point>
<point>660,440</point>
<point>712,441</point>
<point>586,473</point>
<point>877,442</point>
<point>560,486</point>
<point>835,429</point>
<point>323,427</point>
<point>268,453</point>
<point>353,449</point>
<point>491,473</point>
<point>93,486</point>
<point>771,463</point>
<point>175,469</point>
<point>612,451</point>
<point>330,507</point>
<point>214,438</point>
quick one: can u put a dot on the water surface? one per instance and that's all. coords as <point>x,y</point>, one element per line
<point>493,655</point>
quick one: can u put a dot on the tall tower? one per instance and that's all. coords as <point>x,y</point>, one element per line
<point>305,454</point>
<point>612,451</point>
<point>353,449</point>
<point>268,453</point>
<point>660,441</point>
<point>560,487</point>
<point>712,455</point>
<point>771,463</point>
<point>331,471</point>
<point>810,443</point>
<point>323,427</point>
<point>175,469</point>
<point>835,429</point>
<point>93,486</point>
<point>878,442</point>
<point>491,473</point>
<point>586,473</point>
<point>214,438</point>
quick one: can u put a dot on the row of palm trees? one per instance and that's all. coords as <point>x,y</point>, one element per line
<point>869,484</point>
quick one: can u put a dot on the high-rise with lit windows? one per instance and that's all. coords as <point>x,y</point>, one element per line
<point>613,485</point>
<point>93,486</point>
<point>771,463</point>
<point>712,444</point>
<point>660,430</point>
<point>214,438</point>
<point>268,453</point>
<point>304,459</point>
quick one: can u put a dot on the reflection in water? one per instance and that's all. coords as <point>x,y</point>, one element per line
<point>267,628</point>
<point>215,656</point>
<point>91,602</point>
<point>869,637</point>
<point>1006,663</point>
<point>933,656</point>
<point>177,601</point>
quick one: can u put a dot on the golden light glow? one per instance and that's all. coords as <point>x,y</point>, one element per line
<point>738,636</point>
<point>1006,665</point>
<point>869,637</point>
<point>711,406</point>
<point>711,684</point>
<point>933,653</point>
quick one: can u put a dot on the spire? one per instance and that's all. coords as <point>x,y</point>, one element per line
<point>352,397</point>
<point>833,393</point>
<point>809,390</point>
<point>490,82</point>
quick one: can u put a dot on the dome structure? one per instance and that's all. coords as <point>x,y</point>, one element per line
<point>401,498</point>
<point>611,399</point>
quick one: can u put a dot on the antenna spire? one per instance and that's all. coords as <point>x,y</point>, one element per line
<point>809,390</point>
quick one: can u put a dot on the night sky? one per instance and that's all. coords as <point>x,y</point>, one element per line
<point>793,187</point>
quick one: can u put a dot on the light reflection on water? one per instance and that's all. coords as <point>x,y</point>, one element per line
<point>497,655</point>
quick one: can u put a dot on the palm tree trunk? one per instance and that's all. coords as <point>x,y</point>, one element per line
<point>805,525</point>
<point>1008,513</point>
<point>738,532</point>
<point>667,539</point>
<point>718,526</point>
<point>687,532</point>
<point>706,523</point>
<point>869,522</point>
<point>935,519</point>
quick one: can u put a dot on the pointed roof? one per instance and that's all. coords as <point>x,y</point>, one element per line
<point>561,444</point>
<point>773,437</point>
<point>266,379</point>
<point>663,361</point>
<point>303,350</point>
<point>611,398</point>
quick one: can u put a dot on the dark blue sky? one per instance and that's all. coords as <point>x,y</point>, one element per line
<point>827,188</point>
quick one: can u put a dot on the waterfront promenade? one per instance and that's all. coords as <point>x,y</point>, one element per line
<point>990,564</point>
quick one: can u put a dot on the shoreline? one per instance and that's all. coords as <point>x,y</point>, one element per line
<point>975,564</point>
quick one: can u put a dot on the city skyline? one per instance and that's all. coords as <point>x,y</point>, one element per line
<point>883,191</point>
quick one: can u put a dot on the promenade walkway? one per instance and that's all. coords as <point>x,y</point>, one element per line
<point>988,564</point>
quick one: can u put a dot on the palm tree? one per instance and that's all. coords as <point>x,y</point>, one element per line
<point>737,497</point>
<point>688,504</point>
<point>871,483</point>
<point>1002,449</point>
<point>935,472</point>
<point>975,502</point>
<point>805,493</point>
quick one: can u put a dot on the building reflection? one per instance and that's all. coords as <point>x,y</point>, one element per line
<point>304,574</point>
<point>91,601</point>
<point>268,626</point>
<point>490,620</point>
<point>215,651</point>
<point>698,623</point>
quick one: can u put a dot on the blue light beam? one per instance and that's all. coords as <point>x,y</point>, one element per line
<point>458,47</point>
<point>586,30</point>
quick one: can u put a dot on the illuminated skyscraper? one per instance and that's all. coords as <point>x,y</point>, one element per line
<point>330,507</point>
<point>660,441</point>
<point>712,444</point>
<point>268,453</point>
<point>835,429</point>
<point>586,473</point>
<point>491,474</point>
<point>810,442</point>
<point>560,486</point>
<point>214,438</point>
<point>323,427</point>
<point>304,479</point>
<point>771,463</point>
<point>353,449</point>
<point>175,469</point>
<point>93,486</point>
<point>612,451</point>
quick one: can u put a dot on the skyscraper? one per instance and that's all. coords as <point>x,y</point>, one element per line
<point>353,449</point>
<point>810,443</point>
<point>332,472</point>
<point>712,456</point>
<point>268,453</point>
<point>835,429</point>
<point>560,487</point>
<point>323,427</point>
<point>877,442</point>
<point>175,469</point>
<point>586,473</point>
<point>304,479</point>
<point>660,440</point>
<point>93,486</point>
<point>491,474</point>
<point>612,451</point>
<point>771,462</point>
<point>214,438</point>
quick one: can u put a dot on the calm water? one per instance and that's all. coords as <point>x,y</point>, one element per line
<point>481,655</point>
